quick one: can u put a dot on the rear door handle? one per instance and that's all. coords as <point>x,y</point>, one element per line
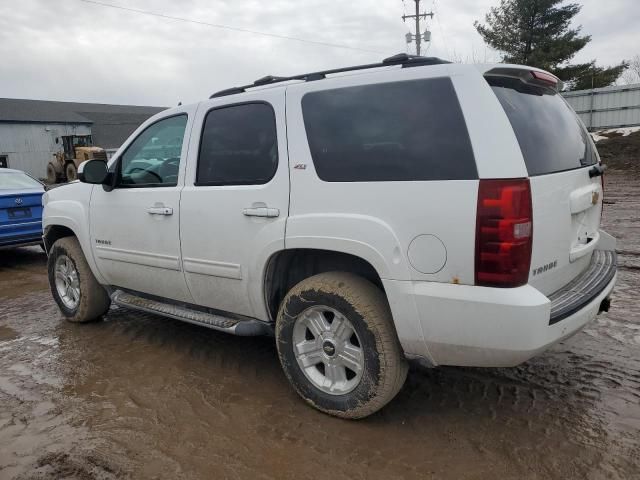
<point>261,212</point>
<point>156,210</point>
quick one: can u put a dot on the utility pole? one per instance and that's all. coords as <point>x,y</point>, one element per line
<point>418,37</point>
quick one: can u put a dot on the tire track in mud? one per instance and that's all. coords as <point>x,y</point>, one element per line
<point>141,376</point>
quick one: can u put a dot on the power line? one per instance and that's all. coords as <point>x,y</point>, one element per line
<point>228,27</point>
<point>444,39</point>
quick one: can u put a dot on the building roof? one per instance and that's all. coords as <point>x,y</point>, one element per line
<point>110,124</point>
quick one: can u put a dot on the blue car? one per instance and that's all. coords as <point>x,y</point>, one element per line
<point>20,209</point>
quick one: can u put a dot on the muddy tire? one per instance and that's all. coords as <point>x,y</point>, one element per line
<point>71,172</point>
<point>338,346</point>
<point>74,288</point>
<point>52,175</point>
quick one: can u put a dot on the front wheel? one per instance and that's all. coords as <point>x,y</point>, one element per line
<point>71,172</point>
<point>338,346</point>
<point>74,288</point>
<point>52,175</point>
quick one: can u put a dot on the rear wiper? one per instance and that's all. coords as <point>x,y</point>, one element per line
<point>597,170</point>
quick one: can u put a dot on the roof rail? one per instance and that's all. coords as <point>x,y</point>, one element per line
<point>402,59</point>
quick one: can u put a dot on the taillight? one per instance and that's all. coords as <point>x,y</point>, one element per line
<point>545,77</point>
<point>504,232</point>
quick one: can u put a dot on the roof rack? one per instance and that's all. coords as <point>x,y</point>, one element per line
<point>402,59</point>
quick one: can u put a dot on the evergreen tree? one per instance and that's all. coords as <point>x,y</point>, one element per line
<point>538,33</point>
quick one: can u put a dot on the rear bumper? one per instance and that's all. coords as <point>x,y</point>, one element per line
<point>21,241</point>
<point>493,327</point>
<point>18,234</point>
<point>574,296</point>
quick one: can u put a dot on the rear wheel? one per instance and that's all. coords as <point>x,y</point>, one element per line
<point>71,171</point>
<point>52,176</point>
<point>338,346</point>
<point>74,288</point>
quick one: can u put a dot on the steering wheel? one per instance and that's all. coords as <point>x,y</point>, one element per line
<point>146,171</point>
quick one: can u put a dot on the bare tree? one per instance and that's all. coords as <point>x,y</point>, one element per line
<point>487,55</point>
<point>634,65</point>
<point>632,73</point>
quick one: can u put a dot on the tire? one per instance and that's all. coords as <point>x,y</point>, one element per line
<point>92,299</point>
<point>71,172</point>
<point>334,297</point>
<point>52,176</point>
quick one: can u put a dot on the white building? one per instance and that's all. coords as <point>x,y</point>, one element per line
<point>30,130</point>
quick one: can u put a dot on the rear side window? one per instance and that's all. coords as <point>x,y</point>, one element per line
<point>238,146</point>
<point>401,131</point>
<point>551,137</point>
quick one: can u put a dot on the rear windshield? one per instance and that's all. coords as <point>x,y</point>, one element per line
<point>551,137</point>
<point>412,130</point>
<point>13,181</point>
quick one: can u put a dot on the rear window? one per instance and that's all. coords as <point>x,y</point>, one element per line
<point>12,181</point>
<point>399,131</point>
<point>551,137</point>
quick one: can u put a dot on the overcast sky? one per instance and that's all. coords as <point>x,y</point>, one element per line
<point>76,51</point>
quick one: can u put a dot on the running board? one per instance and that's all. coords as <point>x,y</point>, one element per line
<point>243,327</point>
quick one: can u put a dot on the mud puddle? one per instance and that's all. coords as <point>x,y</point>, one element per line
<point>138,396</point>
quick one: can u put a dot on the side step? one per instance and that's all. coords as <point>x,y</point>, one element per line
<point>243,327</point>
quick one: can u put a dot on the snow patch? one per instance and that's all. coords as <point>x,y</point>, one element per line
<point>613,132</point>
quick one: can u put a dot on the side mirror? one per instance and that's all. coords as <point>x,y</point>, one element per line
<point>93,171</point>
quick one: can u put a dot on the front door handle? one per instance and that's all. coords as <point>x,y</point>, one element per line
<point>157,210</point>
<point>261,212</point>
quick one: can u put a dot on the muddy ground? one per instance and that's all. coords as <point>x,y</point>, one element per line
<point>138,396</point>
<point>620,151</point>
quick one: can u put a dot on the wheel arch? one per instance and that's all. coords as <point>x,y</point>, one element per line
<point>52,233</point>
<point>286,268</point>
<point>56,227</point>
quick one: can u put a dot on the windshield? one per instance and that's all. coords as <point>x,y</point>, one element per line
<point>551,137</point>
<point>17,180</point>
<point>82,141</point>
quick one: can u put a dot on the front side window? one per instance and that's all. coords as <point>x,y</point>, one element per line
<point>153,158</point>
<point>400,131</point>
<point>239,146</point>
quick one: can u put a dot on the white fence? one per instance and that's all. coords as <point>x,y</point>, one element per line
<point>608,107</point>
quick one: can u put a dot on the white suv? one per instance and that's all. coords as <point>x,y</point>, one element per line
<point>411,209</point>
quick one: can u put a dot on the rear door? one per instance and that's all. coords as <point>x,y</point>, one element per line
<point>235,201</point>
<point>559,156</point>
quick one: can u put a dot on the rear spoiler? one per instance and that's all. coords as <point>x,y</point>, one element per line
<point>529,76</point>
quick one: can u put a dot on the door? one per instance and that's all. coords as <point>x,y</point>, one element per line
<point>3,161</point>
<point>235,202</point>
<point>135,227</point>
<point>566,188</point>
